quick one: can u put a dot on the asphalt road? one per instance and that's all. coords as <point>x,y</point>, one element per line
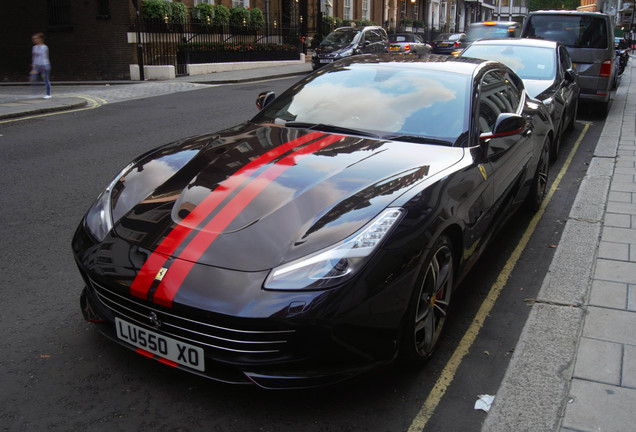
<point>58,373</point>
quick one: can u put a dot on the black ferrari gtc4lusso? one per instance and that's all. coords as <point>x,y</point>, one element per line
<point>323,238</point>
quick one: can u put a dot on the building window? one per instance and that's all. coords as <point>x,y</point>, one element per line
<point>346,10</point>
<point>196,2</point>
<point>365,10</point>
<point>59,12</point>
<point>103,8</point>
<point>241,3</point>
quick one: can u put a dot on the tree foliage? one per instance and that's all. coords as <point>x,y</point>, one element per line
<point>554,4</point>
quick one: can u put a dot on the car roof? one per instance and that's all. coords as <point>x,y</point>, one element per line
<point>564,12</point>
<point>357,29</point>
<point>519,42</point>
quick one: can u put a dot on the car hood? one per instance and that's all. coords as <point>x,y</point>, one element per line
<point>535,88</point>
<point>333,49</point>
<point>257,196</point>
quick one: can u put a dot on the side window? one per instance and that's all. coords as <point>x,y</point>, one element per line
<point>515,89</point>
<point>497,95</point>
<point>373,36</point>
<point>564,58</point>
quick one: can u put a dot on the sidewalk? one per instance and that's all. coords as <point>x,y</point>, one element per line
<point>23,104</point>
<point>574,367</point>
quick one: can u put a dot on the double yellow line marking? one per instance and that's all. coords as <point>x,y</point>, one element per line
<point>448,374</point>
<point>92,103</point>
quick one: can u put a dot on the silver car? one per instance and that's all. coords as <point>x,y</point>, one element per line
<point>408,43</point>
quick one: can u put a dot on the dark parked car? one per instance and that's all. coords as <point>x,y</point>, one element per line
<point>449,43</point>
<point>408,43</point>
<point>547,73</point>
<point>347,41</point>
<point>323,238</point>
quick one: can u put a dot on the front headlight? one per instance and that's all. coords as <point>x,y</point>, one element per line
<point>99,219</point>
<point>346,53</point>
<point>334,265</point>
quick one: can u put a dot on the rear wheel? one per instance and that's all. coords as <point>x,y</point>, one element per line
<point>540,180</point>
<point>556,145</point>
<point>573,119</point>
<point>429,304</point>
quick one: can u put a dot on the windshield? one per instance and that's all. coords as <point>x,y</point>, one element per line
<point>576,31</point>
<point>340,37</point>
<point>384,99</point>
<point>535,63</point>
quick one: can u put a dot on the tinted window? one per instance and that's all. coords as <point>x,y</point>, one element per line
<point>577,31</point>
<point>564,59</point>
<point>528,62</point>
<point>496,96</point>
<point>381,99</point>
<point>340,37</point>
<point>373,36</point>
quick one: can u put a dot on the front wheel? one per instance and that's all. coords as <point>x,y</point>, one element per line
<point>540,179</point>
<point>429,304</point>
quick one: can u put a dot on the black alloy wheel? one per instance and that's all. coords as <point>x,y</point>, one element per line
<point>556,145</point>
<point>540,180</point>
<point>570,127</point>
<point>429,304</point>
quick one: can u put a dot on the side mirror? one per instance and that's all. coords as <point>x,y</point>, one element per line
<point>570,76</point>
<point>507,124</point>
<point>265,98</point>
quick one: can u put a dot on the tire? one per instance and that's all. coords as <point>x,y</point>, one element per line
<point>540,179</point>
<point>429,305</point>
<point>602,108</point>
<point>570,127</point>
<point>556,145</point>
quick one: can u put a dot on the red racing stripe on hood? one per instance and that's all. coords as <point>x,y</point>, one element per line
<point>144,279</point>
<point>178,271</point>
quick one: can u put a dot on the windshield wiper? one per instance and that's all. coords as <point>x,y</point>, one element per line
<point>418,139</point>
<point>330,128</point>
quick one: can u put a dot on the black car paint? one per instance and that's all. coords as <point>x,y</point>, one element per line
<point>333,334</point>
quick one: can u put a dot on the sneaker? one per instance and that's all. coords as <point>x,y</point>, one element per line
<point>47,97</point>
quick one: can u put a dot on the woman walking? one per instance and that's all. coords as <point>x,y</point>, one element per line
<point>40,63</point>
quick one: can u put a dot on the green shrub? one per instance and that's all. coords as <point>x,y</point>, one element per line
<point>155,9</point>
<point>256,20</point>
<point>203,11</point>
<point>239,17</point>
<point>178,13</point>
<point>221,15</point>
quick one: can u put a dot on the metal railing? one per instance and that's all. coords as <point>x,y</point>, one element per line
<point>165,43</point>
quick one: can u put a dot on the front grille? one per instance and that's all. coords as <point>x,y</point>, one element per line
<point>214,337</point>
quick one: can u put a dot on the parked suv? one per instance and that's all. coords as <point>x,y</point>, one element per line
<point>589,39</point>
<point>347,41</point>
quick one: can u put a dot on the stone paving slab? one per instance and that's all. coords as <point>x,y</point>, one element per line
<point>597,407</point>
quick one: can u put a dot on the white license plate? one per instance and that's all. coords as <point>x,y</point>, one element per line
<point>162,346</point>
<point>326,60</point>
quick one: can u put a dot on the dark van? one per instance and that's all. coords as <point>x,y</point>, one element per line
<point>347,41</point>
<point>589,39</point>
